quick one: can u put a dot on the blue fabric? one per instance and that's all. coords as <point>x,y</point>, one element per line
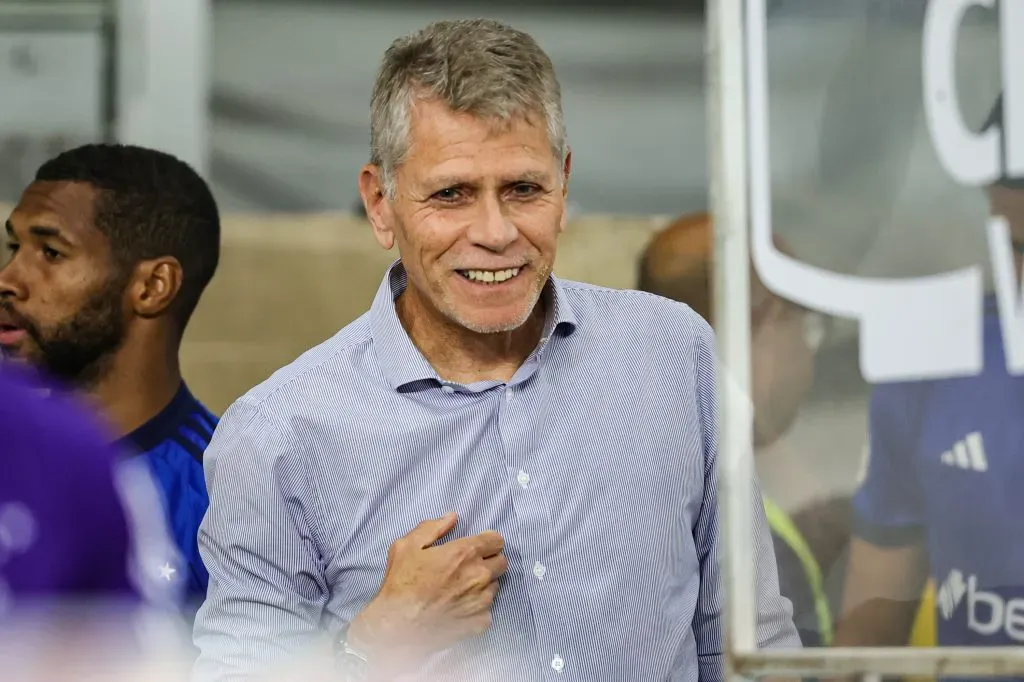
<point>946,469</point>
<point>172,444</point>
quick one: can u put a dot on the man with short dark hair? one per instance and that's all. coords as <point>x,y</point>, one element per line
<point>110,249</point>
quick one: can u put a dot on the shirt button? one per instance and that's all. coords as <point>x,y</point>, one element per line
<point>539,570</point>
<point>557,664</point>
<point>448,389</point>
<point>509,393</point>
<point>523,478</point>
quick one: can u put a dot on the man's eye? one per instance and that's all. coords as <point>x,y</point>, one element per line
<point>12,247</point>
<point>50,254</point>
<point>448,194</point>
<point>525,189</point>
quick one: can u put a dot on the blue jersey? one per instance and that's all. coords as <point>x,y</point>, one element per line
<point>173,443</point>
<point>946,468</point>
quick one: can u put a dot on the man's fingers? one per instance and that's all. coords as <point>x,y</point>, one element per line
<point>430,531</point>
<point>497,566</point>
<point>488,595</point>
<point>489,544</point>
<point>481,623</point>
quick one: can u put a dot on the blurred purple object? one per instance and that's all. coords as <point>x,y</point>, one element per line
<point>64,531</point>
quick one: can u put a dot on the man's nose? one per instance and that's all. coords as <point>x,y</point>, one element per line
<point>11,286</point>
<point>492,229</point>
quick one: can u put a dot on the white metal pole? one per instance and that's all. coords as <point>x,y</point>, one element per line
<point>727,128</point>
<point>163,67</point>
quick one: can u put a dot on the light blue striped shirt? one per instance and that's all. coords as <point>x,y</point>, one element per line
<point>596,462</point>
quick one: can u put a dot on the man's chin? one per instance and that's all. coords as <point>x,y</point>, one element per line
<point>502,319</point>
<point>491,322</point>
<point>487,328</point>
<point>18,355</point>
<point>35,362</point>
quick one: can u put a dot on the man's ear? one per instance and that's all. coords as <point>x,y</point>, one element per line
<point>566,172</point>
<point>378,206</point>
<point>155,285</point>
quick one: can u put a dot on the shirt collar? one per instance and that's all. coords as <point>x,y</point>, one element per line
<point>163,425</point>
<point>400,360</point>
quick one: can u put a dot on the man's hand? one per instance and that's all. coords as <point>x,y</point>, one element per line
<point>433,596</point>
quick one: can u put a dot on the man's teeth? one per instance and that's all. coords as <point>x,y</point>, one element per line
<point>490,276</point>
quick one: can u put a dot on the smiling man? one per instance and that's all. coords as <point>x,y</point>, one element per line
<point>494,474</point>
<point>110,249</point>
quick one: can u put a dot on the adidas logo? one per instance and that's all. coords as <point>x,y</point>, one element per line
<point>968,453</point>
<point>951,593</point>
<point>988,613</point>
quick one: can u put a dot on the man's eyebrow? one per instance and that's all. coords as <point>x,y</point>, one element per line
<point>539,177</point>
<point>447,181</point>
<point>46,231</point>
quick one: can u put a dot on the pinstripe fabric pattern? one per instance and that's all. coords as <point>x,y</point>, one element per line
<point>595,462</point>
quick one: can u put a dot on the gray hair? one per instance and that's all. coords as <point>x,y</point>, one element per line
<point>476,66</point>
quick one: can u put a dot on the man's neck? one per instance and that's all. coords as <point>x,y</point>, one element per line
<point>460,355</point>
<point>132,393</point>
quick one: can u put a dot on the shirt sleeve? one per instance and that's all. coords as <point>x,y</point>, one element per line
<point>889,503</point>
<point>775,628</point>
<point>267,590</point>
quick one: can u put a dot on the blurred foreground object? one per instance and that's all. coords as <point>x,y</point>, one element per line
<point>80,585</point>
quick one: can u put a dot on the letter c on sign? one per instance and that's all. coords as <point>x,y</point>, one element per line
<point>914,328</point>
<point>972,159</point>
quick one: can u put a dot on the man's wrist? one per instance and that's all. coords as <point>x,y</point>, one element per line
<point>383,643</point>
<point>352,658</point>
<point>360,647</point>
<point>360,637</point>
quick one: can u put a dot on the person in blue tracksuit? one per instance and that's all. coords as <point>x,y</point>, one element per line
<point>941,499</point>
<point>110,248</point>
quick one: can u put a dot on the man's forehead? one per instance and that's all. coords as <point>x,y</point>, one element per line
<point>434,124</point>
<point>68,205</point>
<point>1008,191</point>
<point>1009,202</point>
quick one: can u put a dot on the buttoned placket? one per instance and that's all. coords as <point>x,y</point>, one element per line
<point>515,426</point>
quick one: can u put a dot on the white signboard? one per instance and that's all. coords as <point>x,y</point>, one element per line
<point>926,327</point>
